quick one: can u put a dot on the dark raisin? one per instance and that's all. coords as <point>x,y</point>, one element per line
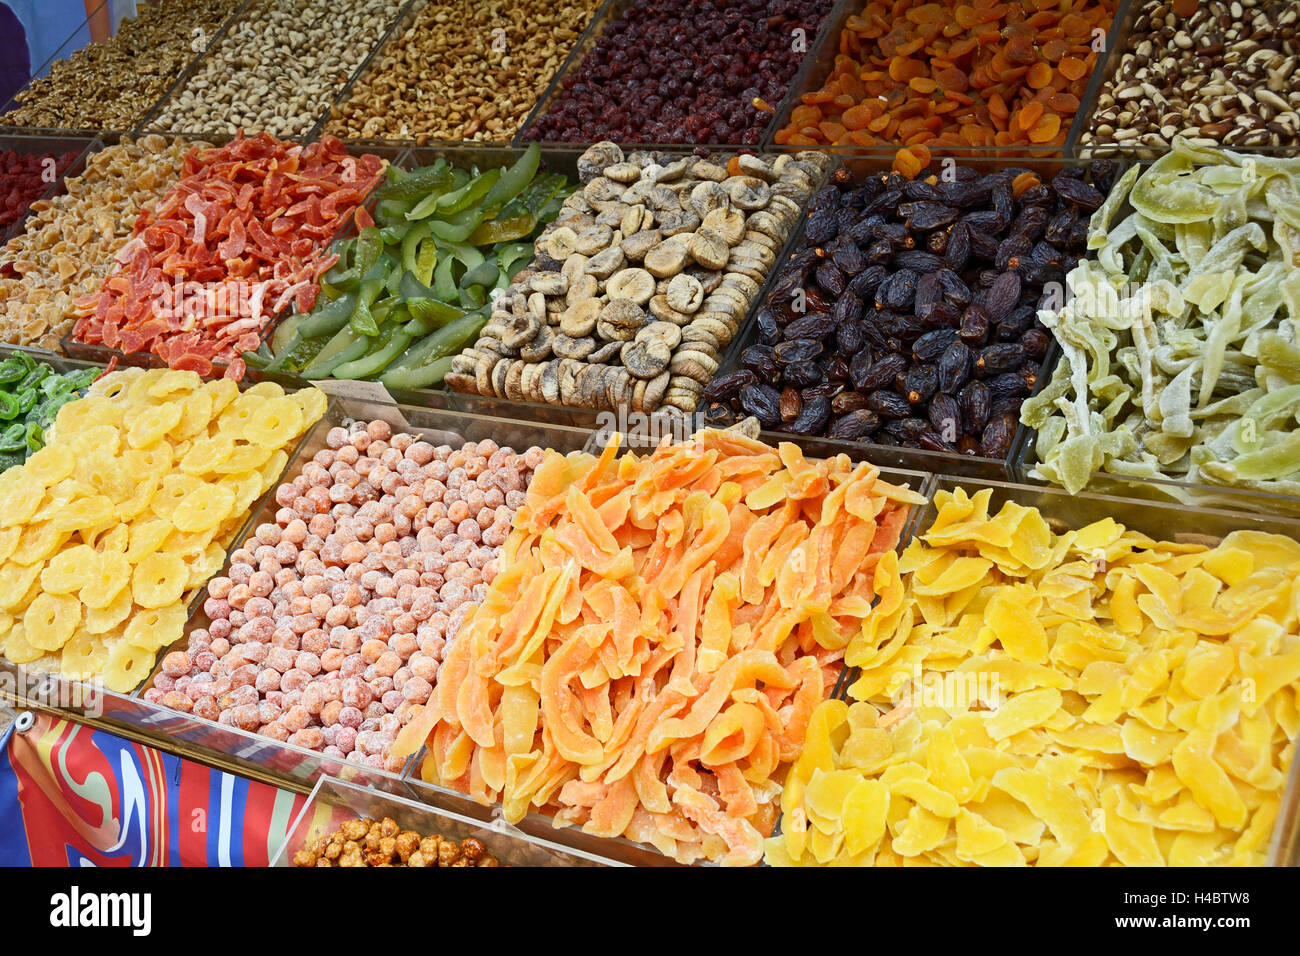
<point>954,367</point>
<point>791,404</point>
<point>1031,222</point>
<point>815,325</point>
<point>794,351</point>
<point>907,430</point>
<point>846,402</point>
<point>888,404</point>
<point>1076,192</point>
<point>763,402</point>
<point>865,283</point>
<point>718,415</point>
<point>998,435</point>
<point>830,279</point>
<point>726,386</point>
<point>975,326</point>
<point>879,252</point>
<point>820,226</point>
<point>1001,357</point>
<point>1102,173</point>
<point>1035,343</point>
<point>848,258</point>
<point>813,418</point>
<point>898,291</point>
<point>1007,384</point>
<point>1011,252</point>
<point>931,345</point>
<point>920,383</point>
<point>982,244</point>
<point>976,404</point>
<point>939,315</point>
<point>1002,296</point>
<point>924,216</point>
<point>931,440</point>
<point>761,360</point>
<point>937,242</point>
<point>855,425</point>
<point>847,308</point>
<point>802,374</point>
<point>958,252</point>
<point>954,289</point>
<point>768,331</point>
<point>945,416</point>
<point>918,260</point>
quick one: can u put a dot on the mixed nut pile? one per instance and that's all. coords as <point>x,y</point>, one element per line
<point>277,68</point>
<point>909,317</point>
<point>463,70</point>
<point>1219,71</point>
<point>642,282</point>
<point>111,85</point>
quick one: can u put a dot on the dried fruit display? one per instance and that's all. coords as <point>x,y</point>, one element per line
<point>413,290</point>
<point>112,84</point>
<point>127,510</point>
<point>24,178</point>
<point>908,317</point>
<point>641,283</point>
<point>1181,343</point>
<point>1087,698</point>
<point>984,73</point>
<point>31,394</point>
<point>363,842</point>
<point>657,635</point>
<point>328,627</point>
<point>674,71</point>
<point>69,242</point>
<point>242,235</point>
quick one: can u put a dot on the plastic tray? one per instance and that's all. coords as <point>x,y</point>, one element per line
<point>611,12</point>
<point>399,28</point>
<point>1117,49</point>
<point>917,459</point>
<point>103,354</point>
<point>1162,522</point>
<point>820,69</point>
<point>231,29</point>
<point>540,824</point>
<point>79,39</point>
<point>333,802</point>
<point>439,426</point>
<point>50,146</point>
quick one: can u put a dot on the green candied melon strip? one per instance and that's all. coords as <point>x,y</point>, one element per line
<point>1099,225</point>
<point>1164,194</point>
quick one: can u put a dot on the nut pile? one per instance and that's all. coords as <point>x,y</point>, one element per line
<point>278,67</point>
<point>329,626</point>
<point>111,85</point>
<point>1219,71</point>
<point>642,281</point>
<point>71,239</point>
<point>910,316</point>
<point>676,71</point>
<point>383,843</point>
<point>463,70</point>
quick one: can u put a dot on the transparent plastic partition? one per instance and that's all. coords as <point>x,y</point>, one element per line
<point>919,459</point>
<point>811,80</point>
<point>47,147</point>
<point>333,802</point>
<point>613,11</point>
<point>437,426</point>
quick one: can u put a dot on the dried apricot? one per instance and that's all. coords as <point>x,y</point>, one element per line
<point>1072,68</point>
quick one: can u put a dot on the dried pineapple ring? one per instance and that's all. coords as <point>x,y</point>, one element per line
<point>312,401</point>
<point>60,496</point>
<point>147,537</point>
<point>279,420</point>
<point>156,628</point>
<point>242,411</point>
<point>174,490</point>
<point>158,580</point>
<point>214,556</point>
<point>204,453</point>
<point>204,509</point>
<point>116,538</point>
<point>15,581</point>
<point>51,464</point>
<point>83,658</point>
<point>242,458</point>
<point>149,425</point>
<point>196,412</point>
<point>172,381</point>
<point>100,620</point>
<point>223,392</point>
<point>105,474</point>
<point>271,470</point>
<point>246,489</point>
<point>93,440</point>
<point>70,570</point>
<point>84,413</point>
<point>94,509</point>
<point>140,499</point>
<point>126,666</point>
<point>6,622</point>
<point>9,538</point>
<point>267,391</point>
<point>38,542</point>
<point>137,393</point>
<point>108,578</point>
<point>20,497</point>
<point>51,619</point>
<point>18,648</point>
<point>114,385</point>
<point>155,460</point>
